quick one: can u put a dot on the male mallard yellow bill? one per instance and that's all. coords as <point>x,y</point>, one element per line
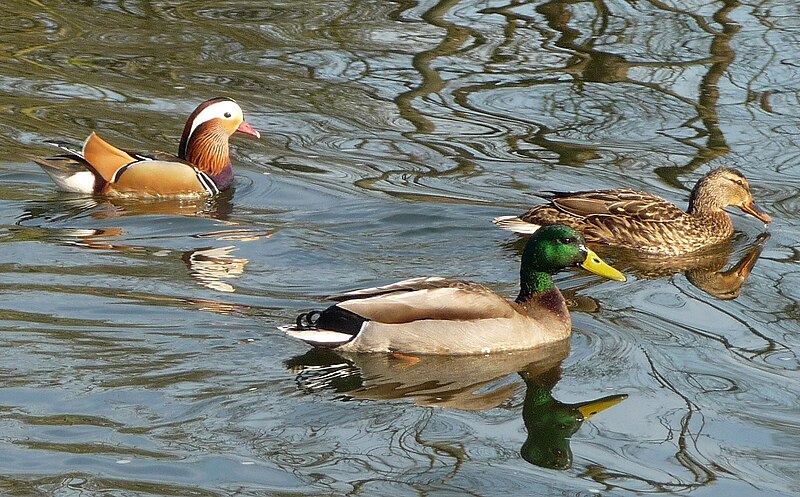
<point>202,166</point>
<point>444,316</point>
<point>645,222</point>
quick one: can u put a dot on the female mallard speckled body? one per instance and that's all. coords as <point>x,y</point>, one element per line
<point>645,222</point>
<point>443,316</point>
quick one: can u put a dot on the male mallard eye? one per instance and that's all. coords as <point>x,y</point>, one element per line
<point>227,115</point>
<point>567,240</point>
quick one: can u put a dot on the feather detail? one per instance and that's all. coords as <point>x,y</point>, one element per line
<point>207,148</point>
<point>104,158</point>
<point>71,173</point>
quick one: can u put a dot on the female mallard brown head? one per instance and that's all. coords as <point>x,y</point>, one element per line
<point>723,187</point>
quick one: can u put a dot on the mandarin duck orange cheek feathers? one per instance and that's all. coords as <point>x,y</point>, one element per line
<point>202,166</point>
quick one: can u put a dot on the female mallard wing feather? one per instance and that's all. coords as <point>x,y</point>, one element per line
<point>426,299</point>
<point>623,217</point>
<point>635,205</point>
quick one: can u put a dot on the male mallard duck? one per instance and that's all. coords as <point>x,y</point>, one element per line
<point>645,222</point>
<point>201,167</point>
<point>443,316</point>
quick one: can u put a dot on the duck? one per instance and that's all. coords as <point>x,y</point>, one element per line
<point>202,166</point>
<point>435,315</point>
<point>644,222</point>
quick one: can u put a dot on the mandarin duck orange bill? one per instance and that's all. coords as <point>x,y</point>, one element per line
<point>202,166</point>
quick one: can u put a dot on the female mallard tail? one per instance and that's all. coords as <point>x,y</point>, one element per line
<point>515,224</point>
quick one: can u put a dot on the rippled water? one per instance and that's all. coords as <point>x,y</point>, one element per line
<point>140,354</point>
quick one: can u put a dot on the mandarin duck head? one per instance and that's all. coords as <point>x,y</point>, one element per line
<point>204,142</point>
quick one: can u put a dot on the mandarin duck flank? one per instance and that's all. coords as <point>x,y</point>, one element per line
<point>644,222</point>
<point>443,316</point>
<point>202,166</point>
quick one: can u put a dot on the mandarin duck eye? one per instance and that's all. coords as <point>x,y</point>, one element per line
<point>227,115</point>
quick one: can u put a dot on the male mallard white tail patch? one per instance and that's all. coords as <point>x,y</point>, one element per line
<point>318,338</point>
<point>515,224</point>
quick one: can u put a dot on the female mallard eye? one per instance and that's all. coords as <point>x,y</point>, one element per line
<point>227,115</point>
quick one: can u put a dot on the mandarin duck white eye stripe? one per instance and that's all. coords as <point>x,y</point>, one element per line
<point>218,109</point>
<point>202,166</point>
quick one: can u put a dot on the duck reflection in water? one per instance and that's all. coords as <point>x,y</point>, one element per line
<point>550,423</point>
<point>705,270</point>
<point>462,382</point>
<point>63,206</point>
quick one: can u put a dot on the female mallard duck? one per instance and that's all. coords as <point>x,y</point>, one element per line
<point>202,166</point>
<point>645,222</point>
<point>444,316</point>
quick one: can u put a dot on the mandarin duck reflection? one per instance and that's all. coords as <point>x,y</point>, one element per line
<point>202,166</point>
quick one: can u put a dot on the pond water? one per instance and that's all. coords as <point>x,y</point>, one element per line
<point>139,341</point>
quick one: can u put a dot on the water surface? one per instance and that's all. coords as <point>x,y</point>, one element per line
<point>140,354</point>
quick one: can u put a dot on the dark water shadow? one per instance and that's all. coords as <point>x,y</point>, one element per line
<point>472,383</point>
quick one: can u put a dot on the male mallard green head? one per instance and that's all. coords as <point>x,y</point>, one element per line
<point>556,247</point>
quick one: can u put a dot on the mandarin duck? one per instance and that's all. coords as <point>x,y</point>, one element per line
<point>202,166</point>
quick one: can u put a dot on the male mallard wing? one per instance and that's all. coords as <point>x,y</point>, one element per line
<point>426,298</point>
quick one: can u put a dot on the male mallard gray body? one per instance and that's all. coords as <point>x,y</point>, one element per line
<point>645,222</point>
<point>436,315</point>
